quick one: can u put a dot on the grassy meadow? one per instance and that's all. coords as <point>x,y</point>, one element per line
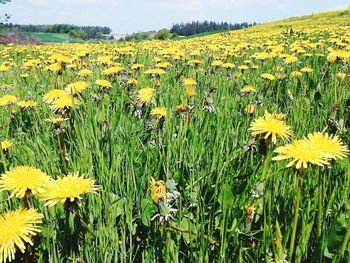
<point>50,37</point>
<point>165,130</point>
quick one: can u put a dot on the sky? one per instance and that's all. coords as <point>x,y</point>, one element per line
<point>128,16</point>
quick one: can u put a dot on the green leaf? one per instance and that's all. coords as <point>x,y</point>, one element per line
<point>187,225</point>
<point>327,254</point>
<point>148,210</point>
<point>226,197</point>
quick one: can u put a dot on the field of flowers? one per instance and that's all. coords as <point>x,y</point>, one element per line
<point>227,148</point>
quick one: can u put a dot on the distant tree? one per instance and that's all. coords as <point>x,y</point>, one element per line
<point>195,27</point>
<point>162,34</point>
<point>92,32</point>
<point>78,34</point>
<point>99,35</point>
<point>4,1</point>
<point>48,28</point>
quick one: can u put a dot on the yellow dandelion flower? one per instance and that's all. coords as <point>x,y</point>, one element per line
<point>270,126</point>
<point>8,100</point>
<point>158,191</point>
<point>104,60</point>
<point>228,65</point>
<point>16,229</point>
<point>25,75</point>
<point>329,145</point>
<point>112,70</point>
<point>159,112</point>
<point>268,76</point>
<point>68,188</point>
<point>76,87</point>
<point>302,152</point>
<point>307,70</point>
<point>163,65</point>
<point>65,102</point>
<point>250,108</point>
<point>190,87</point>
<point>146,94</point>
<point>27,104</point>
<point>338,55</point>
<point>57,120</point>
<point>84,72</point>
<point>341,75</point>
<point>23,178</point>
<point>190,91</point>
<point>195,62</point>
<point>296,74</point>
<point>137,66</point>
<point>132,81</point>
<point>156,71</point>
<point>243,67</point>
<point>290,59</point>
<point>103,83</point>
<point>6,145</point>
<point>56,68</point>
<point>53,95</point>
<point>189,82</point>
<point>217,63</point>
<point>248,89</point>
<point>4,68</point>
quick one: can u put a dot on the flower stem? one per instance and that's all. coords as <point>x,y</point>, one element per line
<point>295,222</point>
<point>85,226</point>
<point>345,242</point>
<point>63,150</point>
<point>320,206</point>
<point>3,158</point>
<point>26,199</point>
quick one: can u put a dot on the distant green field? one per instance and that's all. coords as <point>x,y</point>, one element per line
<point>50,37</point>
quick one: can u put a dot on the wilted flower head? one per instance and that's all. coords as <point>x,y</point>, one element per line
<point>158,191</point>
<point>249,109</point>
<point>250,212</point>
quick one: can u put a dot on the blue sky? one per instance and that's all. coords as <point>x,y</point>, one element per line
<point>127,16</point>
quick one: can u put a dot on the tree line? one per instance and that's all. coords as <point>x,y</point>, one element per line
<point>84,32</point>
<point>196,27</point>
